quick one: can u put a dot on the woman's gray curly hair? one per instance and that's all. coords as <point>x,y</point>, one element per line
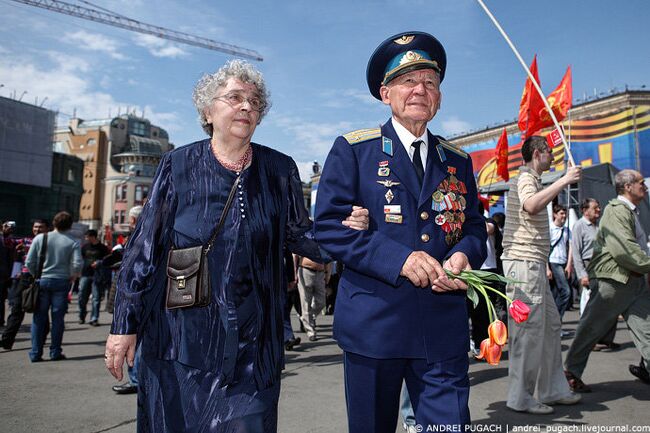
<point>207,87</point>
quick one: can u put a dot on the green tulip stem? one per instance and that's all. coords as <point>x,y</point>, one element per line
<point>499,293</point>
<point>490,307</point>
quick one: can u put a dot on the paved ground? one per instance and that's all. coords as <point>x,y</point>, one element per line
<point>74,395</point>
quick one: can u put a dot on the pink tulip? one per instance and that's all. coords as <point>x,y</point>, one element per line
<point>498,332</point>
<point>519,311</point>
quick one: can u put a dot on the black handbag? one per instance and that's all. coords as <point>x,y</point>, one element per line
<point>188,276</point>
<point>29,295</point>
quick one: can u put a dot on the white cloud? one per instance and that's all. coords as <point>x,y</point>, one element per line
<point>348,97</point>
<point>312,140</point>
<point>159,47</point>
<point>70,89</point>
<point>95,42</point>
<point>305,169</point>
<point>453,125</point>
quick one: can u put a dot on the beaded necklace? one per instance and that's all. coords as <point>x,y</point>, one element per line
<point>240,164</point>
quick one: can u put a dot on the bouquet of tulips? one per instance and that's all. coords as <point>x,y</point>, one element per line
<point>479,283</point>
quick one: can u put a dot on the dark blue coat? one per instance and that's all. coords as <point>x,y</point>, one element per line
<point>183,208</point>
<point>378,313</point>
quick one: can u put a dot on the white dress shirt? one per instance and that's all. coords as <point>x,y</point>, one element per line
<point>407,139</point>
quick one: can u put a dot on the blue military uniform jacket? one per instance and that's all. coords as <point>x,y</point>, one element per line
<point>378,313</point>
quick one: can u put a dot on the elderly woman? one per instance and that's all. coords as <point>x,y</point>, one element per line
<point>214,368</point>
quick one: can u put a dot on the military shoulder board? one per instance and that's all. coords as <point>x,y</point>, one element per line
<point>361,135</point>
<point>447,145</point>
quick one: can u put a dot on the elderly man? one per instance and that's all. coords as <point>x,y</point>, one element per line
<point>535,350</point>
<point>584,235</point>
<point>618,281</point>
<point>394,297</point>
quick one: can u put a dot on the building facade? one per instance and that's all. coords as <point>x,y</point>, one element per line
<point>120,157</point>
<point>35,182</point>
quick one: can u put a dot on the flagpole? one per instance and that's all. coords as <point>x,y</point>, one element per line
<point>532,79</point>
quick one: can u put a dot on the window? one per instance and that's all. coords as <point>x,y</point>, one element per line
<point>139,128</point>
<point>120,192</point>
<point>141,193</point>
<point>70,175</point>
<point>119,217</point>
<point>91,142</point>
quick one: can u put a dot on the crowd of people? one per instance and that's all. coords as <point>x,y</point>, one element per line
<point>397,218</point>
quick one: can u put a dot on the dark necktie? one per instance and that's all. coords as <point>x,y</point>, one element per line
<point>417,160</point>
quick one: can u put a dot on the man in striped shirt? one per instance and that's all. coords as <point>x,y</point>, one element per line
<point>535,353</point>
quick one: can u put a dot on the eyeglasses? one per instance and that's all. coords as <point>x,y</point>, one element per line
<point>236,99</point>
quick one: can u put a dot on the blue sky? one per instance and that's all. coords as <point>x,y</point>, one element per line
<point>315,56</point>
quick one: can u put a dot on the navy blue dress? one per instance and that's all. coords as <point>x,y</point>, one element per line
<point>216,368</point>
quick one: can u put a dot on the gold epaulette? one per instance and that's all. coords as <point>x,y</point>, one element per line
<point>447,145</point>
<point>361,135</point>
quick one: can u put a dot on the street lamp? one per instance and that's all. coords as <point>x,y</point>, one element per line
<point>21,96</point>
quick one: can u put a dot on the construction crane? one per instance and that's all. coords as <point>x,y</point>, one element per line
<point>112,19</point>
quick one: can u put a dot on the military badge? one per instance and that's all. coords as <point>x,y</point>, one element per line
<point>388,183</point>
<point>438,201</point>
<point>383,171</point>
<point>389,196</point>
<point>404,40</point>
<point>462,202</point>
<point>395,219</point>
<point>387,146</point>
<point>394,209</point>
<point>441,153</point>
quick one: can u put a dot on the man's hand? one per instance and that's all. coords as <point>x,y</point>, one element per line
<point>358,220</point>
<point>572,175</point>
<point>456,264</point>
<point>421,269</point>
<point>584,282</point>
<point>118,348</point>
<point>549,273</point>
<point>568,270</point>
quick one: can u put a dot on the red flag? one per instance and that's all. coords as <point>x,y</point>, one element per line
<point>502,156</point>
<point>560,101</point>
<point>531,104</point>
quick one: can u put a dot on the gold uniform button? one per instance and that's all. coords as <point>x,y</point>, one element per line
<point>424,216</point>
<point>424,237</point>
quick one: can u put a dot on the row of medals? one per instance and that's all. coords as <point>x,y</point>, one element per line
<point>447,200</point>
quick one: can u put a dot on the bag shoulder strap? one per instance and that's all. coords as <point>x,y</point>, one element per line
<point>558,240</point>
<point>41,258</point>
<point>222,219</point>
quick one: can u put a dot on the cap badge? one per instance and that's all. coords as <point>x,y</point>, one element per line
<point>410,56</point>
<point>404,40</point>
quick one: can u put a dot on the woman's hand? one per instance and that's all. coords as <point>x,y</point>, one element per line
<point>119,347</point>
<point>358,220</point>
